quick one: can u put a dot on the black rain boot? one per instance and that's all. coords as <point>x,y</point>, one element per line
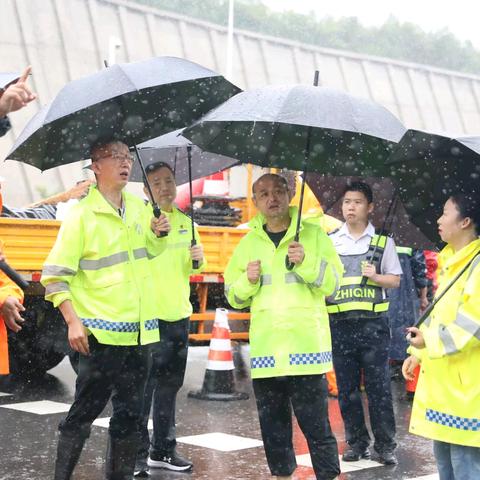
<point>121,456</point>
<point>68,452</point>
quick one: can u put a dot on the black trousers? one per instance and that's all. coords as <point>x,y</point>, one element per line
<point>165,378</point>
<point>307,394</point>
<point>363,344</point>
<point>109,371</point>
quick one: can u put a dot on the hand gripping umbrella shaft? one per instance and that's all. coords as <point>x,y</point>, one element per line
<point>13,275</point>
<point>289,265</point>
<point>156,208</point>
<point>388,216</point>
<point>195,263</point>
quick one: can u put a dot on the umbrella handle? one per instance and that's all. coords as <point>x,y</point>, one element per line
<point>288,264</point>
<point>195,263</point>
<point>13,275</point>
<point>156,209</point>
<point>157,212</point>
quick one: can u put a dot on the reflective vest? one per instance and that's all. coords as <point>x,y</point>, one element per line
<point>352,296</point>
<point>172,269</point>
<point>446,406</point>
<point>404,250</point>
<point>289,327</point>
<point>100,261</point>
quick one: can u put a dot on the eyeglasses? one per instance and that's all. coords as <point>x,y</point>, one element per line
<point>118,157</point>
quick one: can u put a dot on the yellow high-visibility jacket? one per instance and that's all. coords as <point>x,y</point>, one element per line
<point>172,269</point>
<point>289,327</point>
<point>447,400</point>
<point>100,262</point>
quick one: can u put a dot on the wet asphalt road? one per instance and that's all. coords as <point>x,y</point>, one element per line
<point>28,440</point>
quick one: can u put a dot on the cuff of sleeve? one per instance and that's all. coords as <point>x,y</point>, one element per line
<point>244,289</point>
<point>157,245</point>
<point>415,352</point>
<point>307,270</point>
<point>200,269</point>
<point>58,298</point>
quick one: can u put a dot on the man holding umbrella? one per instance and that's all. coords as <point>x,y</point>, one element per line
<point>98,274</point>
<point>360,328</point>
<point>289,331</point>
<point>169,357</point>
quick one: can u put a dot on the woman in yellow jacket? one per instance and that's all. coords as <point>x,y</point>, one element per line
<point>446,407</point>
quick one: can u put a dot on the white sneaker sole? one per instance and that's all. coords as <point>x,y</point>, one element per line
<point>167,466</point>
<point>141,473</point>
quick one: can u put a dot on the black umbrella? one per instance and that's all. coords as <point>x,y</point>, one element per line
<point>300,127</point>
<point>428,168</point>
<point>171,149</point>
<point>329,191</point>
<point>178,152</point>
<point>133,102</point>
<point>268,127</point>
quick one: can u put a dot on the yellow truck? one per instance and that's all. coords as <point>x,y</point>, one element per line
<point>42,343</point>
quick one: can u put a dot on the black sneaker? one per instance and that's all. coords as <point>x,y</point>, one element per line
<point>354,455</point>
<point>172,461</point>
<point>387,458</point>
<point>141,468</point>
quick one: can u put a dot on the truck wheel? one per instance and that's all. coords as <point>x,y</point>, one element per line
<point>42,342</point>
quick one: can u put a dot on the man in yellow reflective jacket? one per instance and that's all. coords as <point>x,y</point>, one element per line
<point>99,276</point>
<point>169,357</point>
<point>290,346</point>
<point>446,406</point>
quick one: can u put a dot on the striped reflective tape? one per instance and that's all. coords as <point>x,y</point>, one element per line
<point>350,306</point>
<point>57,271</point>
<point>108,261</point>
<point>56,287</point>
<point>453,421</point>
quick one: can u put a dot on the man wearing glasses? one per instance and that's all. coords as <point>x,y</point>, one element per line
<point>98,274</point>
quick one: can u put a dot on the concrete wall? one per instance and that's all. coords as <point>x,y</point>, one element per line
<point>66,39</point>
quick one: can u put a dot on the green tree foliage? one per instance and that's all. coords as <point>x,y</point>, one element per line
<point>394,39</point>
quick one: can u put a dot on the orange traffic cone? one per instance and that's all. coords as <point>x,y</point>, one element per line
<point>219,382</point>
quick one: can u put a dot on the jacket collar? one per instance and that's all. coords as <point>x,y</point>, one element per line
<point>451,259</point>
<point>369,231</point>
<point>98,203</point>
<point>258,221</point>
